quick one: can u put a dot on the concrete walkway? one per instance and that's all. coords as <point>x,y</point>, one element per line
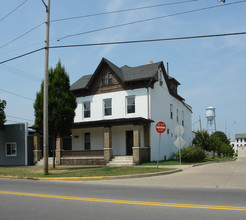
<point>216,175</point>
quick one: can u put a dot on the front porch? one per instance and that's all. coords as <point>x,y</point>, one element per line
<point>113,137</point>
<point>98,142</point>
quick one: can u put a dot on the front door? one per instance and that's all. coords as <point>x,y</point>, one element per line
<point>129,142</point>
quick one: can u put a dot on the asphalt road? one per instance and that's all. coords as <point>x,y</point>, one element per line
<point>205,192</point>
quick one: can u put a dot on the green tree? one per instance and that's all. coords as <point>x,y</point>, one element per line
<point>61,104</point>
<point>215,145</point>
<point>202,139</point>
<point>2,113</point>
<point>222,136</point>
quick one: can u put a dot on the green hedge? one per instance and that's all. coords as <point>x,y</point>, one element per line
<point>192,154</point>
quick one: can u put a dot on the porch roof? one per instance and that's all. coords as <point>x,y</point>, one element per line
<point>113,122</point>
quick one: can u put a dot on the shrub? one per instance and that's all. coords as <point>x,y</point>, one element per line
<point>192,154</point>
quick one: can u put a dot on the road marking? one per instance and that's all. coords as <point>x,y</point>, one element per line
<point>129,202</point>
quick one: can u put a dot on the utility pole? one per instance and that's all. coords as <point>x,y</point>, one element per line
<point>200,122</point>
<point>45,104</point>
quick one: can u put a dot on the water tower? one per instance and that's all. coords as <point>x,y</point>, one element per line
<point>210,115</point>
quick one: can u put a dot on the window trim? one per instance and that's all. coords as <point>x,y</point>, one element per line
<point>128,97</point>
<point>87,110</point>
<point>6,150</point>
<point>104,108</point>
<point>171,111</point>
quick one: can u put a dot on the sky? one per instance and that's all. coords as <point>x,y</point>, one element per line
<point>211,70</point>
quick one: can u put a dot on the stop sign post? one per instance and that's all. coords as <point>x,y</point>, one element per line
<point>160,128</point>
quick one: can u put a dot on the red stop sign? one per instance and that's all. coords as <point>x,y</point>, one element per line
<point>160,127</point>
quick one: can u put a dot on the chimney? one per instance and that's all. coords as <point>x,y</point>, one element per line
<point>150,62</point>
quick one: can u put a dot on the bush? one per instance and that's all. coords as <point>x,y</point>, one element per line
<point>192,154</point>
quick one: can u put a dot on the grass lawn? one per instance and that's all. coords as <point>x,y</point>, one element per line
<point>176,162</point>
<point>34,171</point>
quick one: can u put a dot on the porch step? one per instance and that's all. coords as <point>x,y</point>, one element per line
<point>41,162</point>
<point>120,161</point>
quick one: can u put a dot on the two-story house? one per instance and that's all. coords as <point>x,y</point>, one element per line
<point>118,109</point>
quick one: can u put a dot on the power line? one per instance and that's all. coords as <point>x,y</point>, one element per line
<point>20,73</point>
<point>150,40</point>
<point>17,95</point>
<point>22,55</point>
<point>120,11</point>
<point>149,19</point>
<point>128,42</point>
<point>13,10</point>
<point>18,118</point>
<point>22,35</point>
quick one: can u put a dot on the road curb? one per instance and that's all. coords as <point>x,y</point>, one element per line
<point>93,178</point>
<point>207,163</point>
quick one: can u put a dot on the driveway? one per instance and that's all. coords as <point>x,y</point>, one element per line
<point>216,175</point>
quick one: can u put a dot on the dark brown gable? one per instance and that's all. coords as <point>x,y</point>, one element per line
<point>105,80</point>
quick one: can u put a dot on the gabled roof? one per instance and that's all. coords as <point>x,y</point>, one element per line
<point>81,83</point>
<point>140,72</point>
<point>128,74</point>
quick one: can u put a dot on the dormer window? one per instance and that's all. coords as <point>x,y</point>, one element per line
<point>107,78</point>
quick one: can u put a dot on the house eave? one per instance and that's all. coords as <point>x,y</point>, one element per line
<point>113,122</point>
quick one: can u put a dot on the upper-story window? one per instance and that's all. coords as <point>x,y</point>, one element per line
<point>130,104</point>
<point>107,107</point>
<point>177,115</point>
<point>87,109</point>
<point>11,149</point>
<point>171,111</point>
<point>182,118</point>
<point>107,78</point>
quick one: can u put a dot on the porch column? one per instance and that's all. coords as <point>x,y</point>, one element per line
<point>146,151</point>
<point>136,144</point>
<point>107,144</point>
<point>36,152</point>
<point>59,147</point>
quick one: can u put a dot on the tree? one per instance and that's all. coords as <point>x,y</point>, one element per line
<point>202,139</point>
<point>2,113</point>
<point>222,136</point>
<point>61,104</point>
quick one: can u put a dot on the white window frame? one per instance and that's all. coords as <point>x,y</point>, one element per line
<point>84,109</point>
<point>128,97</point>
<point>13,144</point>
<point>171,111</point>
<point>105,109</point>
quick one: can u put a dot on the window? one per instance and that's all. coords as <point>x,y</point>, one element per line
<point>182,118</point>
<point>107,78</point>
<point>171,111</point>
<point>107,107</point>
<point>11,149</point>
<point>87,109</point>
<point>87,141</point>
<point>177,115</point>
<point>103,79</point>
<point>130,104</point>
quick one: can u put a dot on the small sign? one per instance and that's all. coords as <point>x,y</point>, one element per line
<point>160,127</point>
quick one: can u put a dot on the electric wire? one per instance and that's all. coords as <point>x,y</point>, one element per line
<point>129,42</point>
<point>17,95</point>
<point>149,40</point>
<point>120,11</point>
<point>22,35</point>
<point>149,19</point>
<point>18,118</point>
<point>13,10</point>
<point>23,55</point>
<point>20,73</point>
